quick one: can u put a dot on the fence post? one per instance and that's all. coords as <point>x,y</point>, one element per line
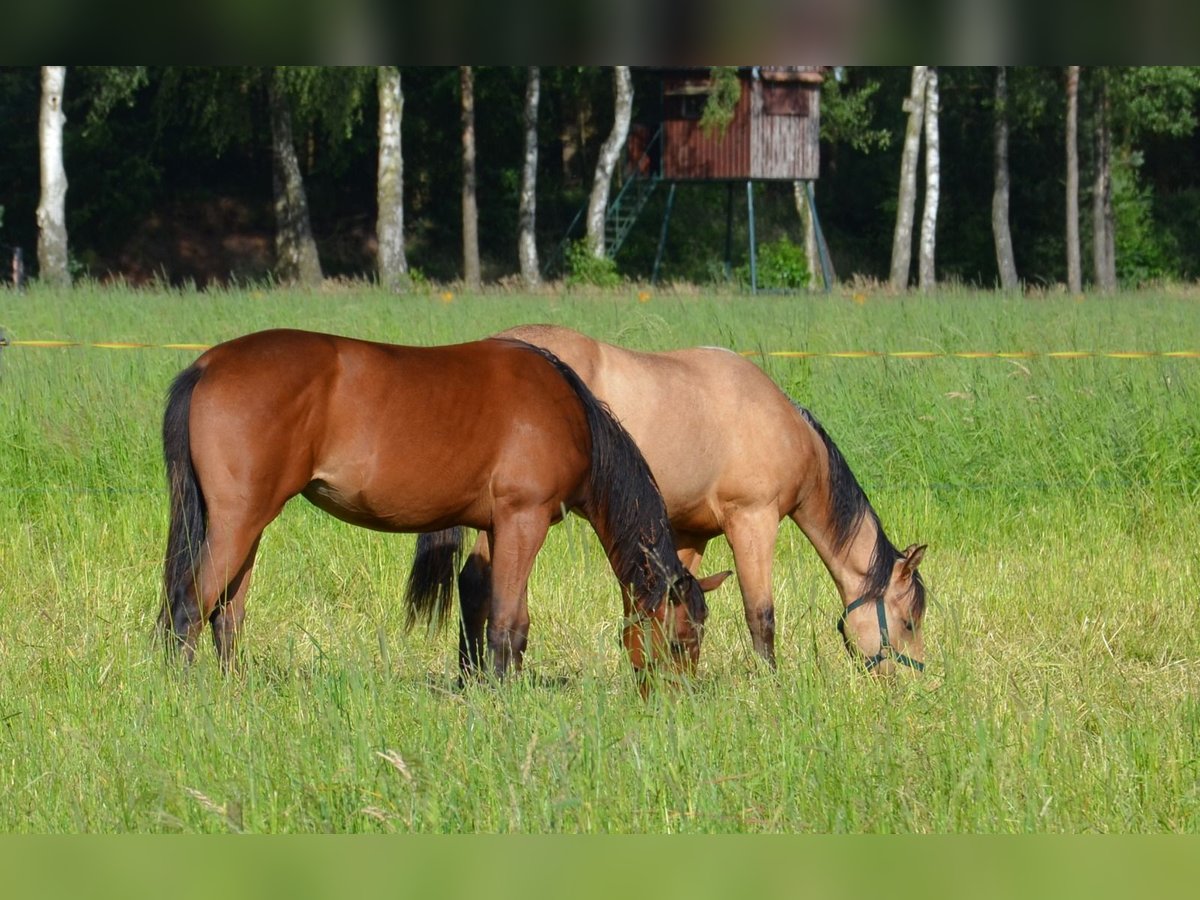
<point>753,249</point>
<point>18,268</point>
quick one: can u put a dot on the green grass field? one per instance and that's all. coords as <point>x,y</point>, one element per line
<point>1059,498</point>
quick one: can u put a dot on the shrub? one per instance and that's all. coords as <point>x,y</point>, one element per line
<point>1145,250</point>
<point>586,269</point>
<point>781,266</point>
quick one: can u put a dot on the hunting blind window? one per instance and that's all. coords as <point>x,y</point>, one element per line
<point>785,100</point>
<point>686,101</point>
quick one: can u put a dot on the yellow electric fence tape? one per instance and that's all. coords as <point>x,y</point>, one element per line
<point>104,345</point>
<point>979,354</point>
<point>782,354</point>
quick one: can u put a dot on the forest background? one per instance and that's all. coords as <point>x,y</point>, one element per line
<point>171,175</point>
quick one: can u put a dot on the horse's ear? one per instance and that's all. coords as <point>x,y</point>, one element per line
<point>712,582</point>
<point>913,555</point>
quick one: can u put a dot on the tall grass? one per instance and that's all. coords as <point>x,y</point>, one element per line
<point>1059,499</point>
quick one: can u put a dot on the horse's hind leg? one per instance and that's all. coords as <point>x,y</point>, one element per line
<point>474,598</point>
<point>751,536</point>
<point>224,577</point>
<point>228,615</point>
<point>516,539</point>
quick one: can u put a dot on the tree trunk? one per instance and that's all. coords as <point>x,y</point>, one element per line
<point>296,257</point>
<point>389,185</point>
<point>52,207</point>
<point>1001,231</point>
<point>933,183</point>
<point>914,105</point>
<point>470,211</point>
<point>610,152</point>
<point>808,235</point>
<point>1074,266</point>
<point>1103,228</point>
<point>527,214</point>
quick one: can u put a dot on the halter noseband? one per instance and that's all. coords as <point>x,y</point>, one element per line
<point>884,644</point>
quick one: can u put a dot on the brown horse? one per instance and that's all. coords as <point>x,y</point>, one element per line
<point>496,435</point>
<point>733,454</point>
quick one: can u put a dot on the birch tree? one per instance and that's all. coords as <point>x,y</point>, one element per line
<point>527,214</point>
<point>1074,265</point>
<point>295,247</point>
<point>1006,262</point>
<point>470,210</point>
<point>610,152</point>
<point>389,188</point>
<point>1103,229</point>
<point>914,105</point>
<point>933,182</point>
<point>52,206</point>
<point>1074,268</point>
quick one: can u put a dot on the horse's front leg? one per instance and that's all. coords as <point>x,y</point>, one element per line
<point>691,549</point>
<point>752,535</point>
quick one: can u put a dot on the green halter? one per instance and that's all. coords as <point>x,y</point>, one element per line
<point>884,644</point>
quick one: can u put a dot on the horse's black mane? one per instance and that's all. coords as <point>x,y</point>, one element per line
<point>850,508</point>
<point>624,498</point>
<point>625,493</point>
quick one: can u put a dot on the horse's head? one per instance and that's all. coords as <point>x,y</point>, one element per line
<point>668,637</point>
<point>684,617</point>
<point>884,627</point>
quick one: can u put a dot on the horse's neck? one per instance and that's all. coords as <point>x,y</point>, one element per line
<point>848,564</point>
<point>625,556</point>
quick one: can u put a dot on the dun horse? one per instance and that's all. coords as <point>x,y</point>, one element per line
<point>733,454</point>
<point>496,435</point>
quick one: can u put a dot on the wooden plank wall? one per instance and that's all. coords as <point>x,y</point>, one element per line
<point>688,153</point>
<point>784,146</point>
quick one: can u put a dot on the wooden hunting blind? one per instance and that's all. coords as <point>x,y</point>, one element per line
<point>773,134</point>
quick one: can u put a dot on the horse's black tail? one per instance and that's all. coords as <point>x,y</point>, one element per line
<point>625,496</point>
<point>431,580</point>
<point>187,524</point>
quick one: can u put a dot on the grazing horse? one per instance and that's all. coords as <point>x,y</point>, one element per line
<point>496,435</point>
<point>733,454</point>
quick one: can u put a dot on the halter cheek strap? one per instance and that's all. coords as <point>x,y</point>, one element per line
<point>884,644</point>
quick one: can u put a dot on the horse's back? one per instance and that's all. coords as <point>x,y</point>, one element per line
<point>715,429</point>
<point>386,435</point>
<point>439,388</point>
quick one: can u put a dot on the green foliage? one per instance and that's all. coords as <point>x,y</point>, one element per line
<point>226,104</point>
<point>781,265</point>
<point>220,105</point>
<point>1145,101</point>
<point>112,86</point>
<point>1153,100</point>
<point>1033,95</point>
<point>331,96</point>
<point>724,93</point>
<point>168,161</point>
<point>847,114</point>
<point>586,269</point>
<point>1145,251</point>
<point>1180,221</point>
<point>418,280</point>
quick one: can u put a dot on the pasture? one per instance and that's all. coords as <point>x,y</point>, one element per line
<point>1058,496</point>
